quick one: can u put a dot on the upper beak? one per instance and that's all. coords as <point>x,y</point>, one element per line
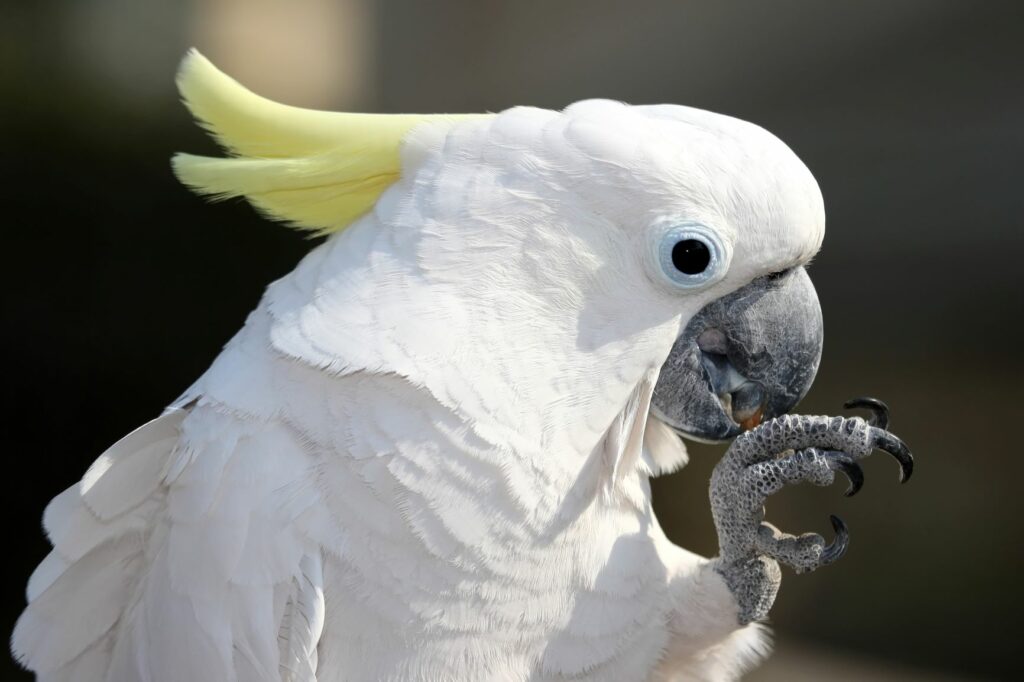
<point>744,358</point>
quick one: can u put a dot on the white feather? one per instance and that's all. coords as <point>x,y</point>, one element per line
<point>46,573</point>
<point>303,623</point>
<point>129,471</point>
<point>664,450</point>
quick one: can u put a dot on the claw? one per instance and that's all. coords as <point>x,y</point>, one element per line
<point>854,474</point>
<point>879,410</point>
<point>836,548</point>
<point>883,440</point>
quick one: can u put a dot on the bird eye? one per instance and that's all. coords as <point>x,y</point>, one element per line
<point>691,255</point>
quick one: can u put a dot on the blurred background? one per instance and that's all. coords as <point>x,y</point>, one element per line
<point>123,286</point>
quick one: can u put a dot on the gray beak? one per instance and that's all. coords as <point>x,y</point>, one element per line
<point>744,358</point>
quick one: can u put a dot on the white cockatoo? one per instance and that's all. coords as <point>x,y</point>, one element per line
<point>426,454</point>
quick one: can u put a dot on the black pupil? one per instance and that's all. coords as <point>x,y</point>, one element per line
<point>691,256</point>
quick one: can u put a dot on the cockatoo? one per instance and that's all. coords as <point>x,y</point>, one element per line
<point>426,455</point>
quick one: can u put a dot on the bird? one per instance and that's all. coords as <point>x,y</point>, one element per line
<point>427,453</point>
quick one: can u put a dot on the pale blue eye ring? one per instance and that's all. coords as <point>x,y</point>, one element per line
<point>690,255</point>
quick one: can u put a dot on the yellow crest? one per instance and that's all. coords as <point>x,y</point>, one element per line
<point>317,170</point>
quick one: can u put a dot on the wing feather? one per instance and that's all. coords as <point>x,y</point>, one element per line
<point>128,473</point>
<point>181,557</point>
<point>46,573</point>
<point>303,623</point>
<point>77,610</point>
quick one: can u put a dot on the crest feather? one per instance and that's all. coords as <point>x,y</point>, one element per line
<point>317,170</point>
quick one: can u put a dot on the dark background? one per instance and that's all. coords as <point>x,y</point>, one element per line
<point>121,286</point>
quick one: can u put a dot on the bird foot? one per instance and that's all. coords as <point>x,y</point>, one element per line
<point>759,463</point>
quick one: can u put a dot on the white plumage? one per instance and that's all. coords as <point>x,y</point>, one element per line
<point>421,458</point>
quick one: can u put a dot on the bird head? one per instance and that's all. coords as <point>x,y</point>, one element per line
<point>561,258</point>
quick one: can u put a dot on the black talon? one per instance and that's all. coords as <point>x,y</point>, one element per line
<point>883,440</point>
<point>879,410</point>
<point>836,548</point>
<point>853,473</point>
